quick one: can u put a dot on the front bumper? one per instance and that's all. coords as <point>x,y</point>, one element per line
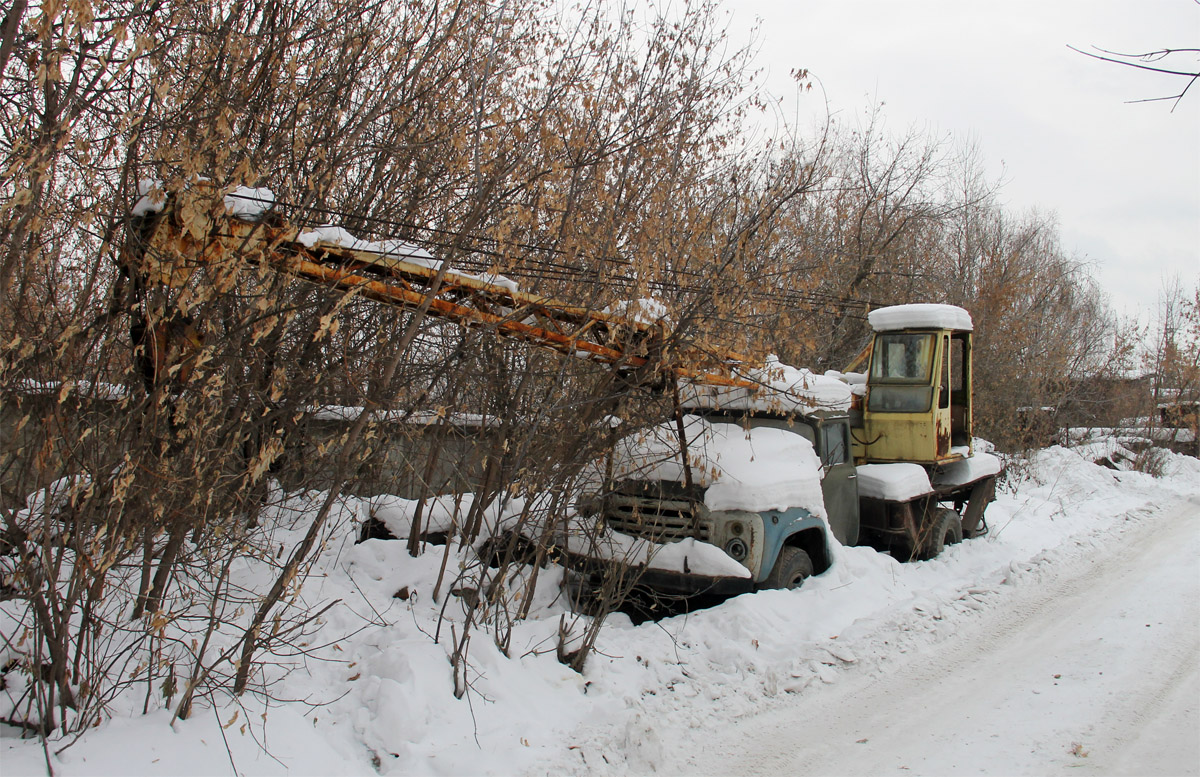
<point>600,572</point>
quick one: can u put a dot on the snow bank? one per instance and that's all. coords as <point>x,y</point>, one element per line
<point>755,470</point>
<point>921,316</point>
<point>443,513</point>
<point>782,389</point>
<point>376,687</point>
<point>893,482</point>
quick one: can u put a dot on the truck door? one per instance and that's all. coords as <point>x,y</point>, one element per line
<point>942,413</point>
<point>839,483</point>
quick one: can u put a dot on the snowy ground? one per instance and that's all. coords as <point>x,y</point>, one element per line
<point>1090,665</point>
<point>944,666</point>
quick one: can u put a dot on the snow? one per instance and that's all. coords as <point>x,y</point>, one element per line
<point>893,482</point>
<point>398,249</point>
<point>856,380</point>
<point>782,389</point>
<point>1136,434</point>
<point>755,470</point>
<point>336,236</point>
<point>642,311</point>
<point>491,279</point>
<point>688,694</point>
<point>920,316</point>
<point>249,204</point>
<point>417,417</point>
<point>690,555</point>
<point>242,202</point>
<point>1056,681</point>
<point>968,470</point>
<point>852,378</point>
<point>153,197</point>
<point>440,514</point>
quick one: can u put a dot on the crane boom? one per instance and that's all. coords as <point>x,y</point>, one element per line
<point>171,245</point>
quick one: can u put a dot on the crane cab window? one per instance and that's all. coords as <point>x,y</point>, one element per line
<point>901,372</point>
<point>903,358</point>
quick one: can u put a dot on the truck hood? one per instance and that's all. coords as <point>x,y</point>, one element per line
<point>754,470</point>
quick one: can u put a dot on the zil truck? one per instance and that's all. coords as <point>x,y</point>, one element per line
<point>884,458</point>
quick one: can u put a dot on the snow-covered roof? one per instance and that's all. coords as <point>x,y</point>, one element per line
<point>782,389</point>
<point>920,316</point>
<point>756,469</point>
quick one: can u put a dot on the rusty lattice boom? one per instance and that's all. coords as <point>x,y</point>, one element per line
<point>169,246</point>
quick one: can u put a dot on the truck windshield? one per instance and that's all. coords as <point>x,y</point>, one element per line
<point>902,358</point>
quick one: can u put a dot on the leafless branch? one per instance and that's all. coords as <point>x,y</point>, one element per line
<point>1144,61</point>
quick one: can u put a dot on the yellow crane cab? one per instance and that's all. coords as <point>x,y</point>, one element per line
<point>917,403</point>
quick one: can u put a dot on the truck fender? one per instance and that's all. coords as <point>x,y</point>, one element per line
<point>794,526</point>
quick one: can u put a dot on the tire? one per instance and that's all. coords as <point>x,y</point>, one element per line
<point>944,529</point>
<point>790,570</point>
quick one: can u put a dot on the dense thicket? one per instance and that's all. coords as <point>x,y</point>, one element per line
<point>598,160</point>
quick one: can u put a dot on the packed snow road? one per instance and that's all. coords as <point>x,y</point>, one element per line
<point>1095,670</point>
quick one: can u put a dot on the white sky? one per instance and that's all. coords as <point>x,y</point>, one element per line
<point>1124,179</point>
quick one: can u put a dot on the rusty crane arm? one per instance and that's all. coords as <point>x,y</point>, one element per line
<point>169,246</point>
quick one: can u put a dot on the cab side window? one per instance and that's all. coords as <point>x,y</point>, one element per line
<point>834,444</point>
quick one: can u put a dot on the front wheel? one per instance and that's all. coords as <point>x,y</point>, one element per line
<point>790,570</point>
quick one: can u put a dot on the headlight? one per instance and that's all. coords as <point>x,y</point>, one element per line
<point>737,549</point>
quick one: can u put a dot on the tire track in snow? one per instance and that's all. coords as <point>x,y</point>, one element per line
<point>1090,666</point>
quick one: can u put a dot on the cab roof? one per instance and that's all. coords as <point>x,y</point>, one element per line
<point>920,316</point>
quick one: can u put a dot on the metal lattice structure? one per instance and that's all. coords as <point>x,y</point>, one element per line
<point>169,246</point>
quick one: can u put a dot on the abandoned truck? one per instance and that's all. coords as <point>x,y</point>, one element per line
<point>771,473</point>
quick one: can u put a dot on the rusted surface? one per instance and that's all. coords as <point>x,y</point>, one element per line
<point>942,436</point>
<point>183,238</point>
<point>982,494</point>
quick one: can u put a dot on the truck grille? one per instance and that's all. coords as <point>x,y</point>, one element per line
<point>656,518</point>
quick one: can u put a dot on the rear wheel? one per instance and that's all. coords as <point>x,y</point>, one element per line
<point>945,528</point>
<point>790,570</point>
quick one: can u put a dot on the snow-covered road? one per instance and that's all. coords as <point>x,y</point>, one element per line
<point>1094,670</point>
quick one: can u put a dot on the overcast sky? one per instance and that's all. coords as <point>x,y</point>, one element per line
<point>1123,179</point>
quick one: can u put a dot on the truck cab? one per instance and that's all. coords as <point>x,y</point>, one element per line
<point>771,478</point>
